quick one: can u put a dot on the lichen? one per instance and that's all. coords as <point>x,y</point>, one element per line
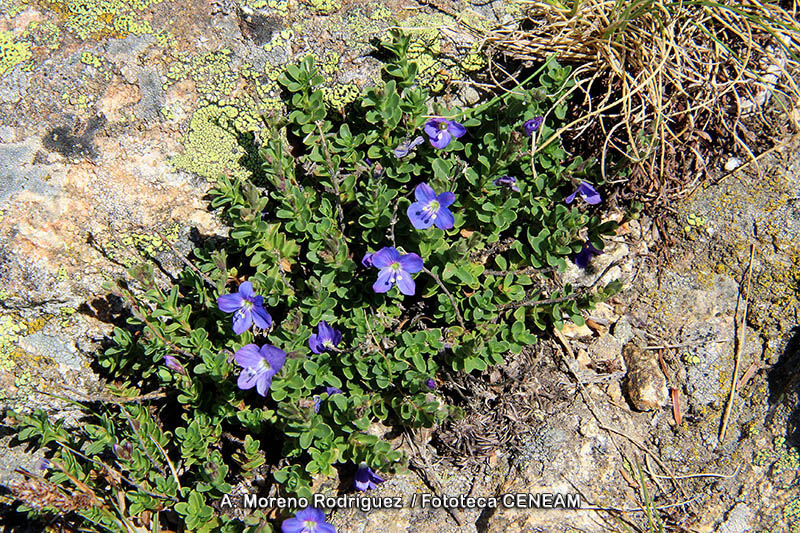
<point>129,248</point>
<point>101,19</point>
<point>13,51</point>
<point>14,361</point>
<point>325,7</point>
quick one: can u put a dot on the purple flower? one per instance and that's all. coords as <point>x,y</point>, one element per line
<point>43,464</point>
<point>430,383</point>
<point>441,131</point>
<point>309,520</point>
<point>173,364</point>
<point>584,257</point>
<point>366,479</point>
<point>532,125</point>
<point>395,269</point>
<point>318,401</point>
<point>587,192</point>
<point>430,208</point>
<point>246,307</point>
<point>123,451</point>
<point>259,365</point>
<point>367,260</point>
<point>326,338</point>
<point>507,181</point>
<point>405,148</point>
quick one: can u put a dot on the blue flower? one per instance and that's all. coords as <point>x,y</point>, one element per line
<point>441,131</point>
<point>366,479</point>
<point>430,208</point>
<point>395,269</point>
<point>309,520</point>
<point>246,307</point>
<point>259,365</point>
<point>532,125</point>
<point>584,257</point>
<point>587,192</point>
<point>172,363</point>
<point>325,339</point>
<point>318,401</point>
<point>405,148</point>
<point>507,181</point>
<point>367,260</point>
<point>430,383</point>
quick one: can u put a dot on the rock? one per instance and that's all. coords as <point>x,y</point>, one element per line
<point>645,384</point>
<point>737,520</point>
<point>623,331</point>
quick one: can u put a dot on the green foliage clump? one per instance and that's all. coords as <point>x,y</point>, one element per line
<point>168,442</point>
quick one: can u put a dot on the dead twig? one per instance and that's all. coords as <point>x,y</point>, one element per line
<point>741,339</point>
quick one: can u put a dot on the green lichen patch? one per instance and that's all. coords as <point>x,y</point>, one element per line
<point>13,51</point>
<point>212,73</point>
<point>131,248</point>
<point>101,19</point>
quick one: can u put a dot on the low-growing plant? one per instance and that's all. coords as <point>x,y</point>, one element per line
<point>370,251</point>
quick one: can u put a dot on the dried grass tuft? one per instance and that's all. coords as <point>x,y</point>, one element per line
<point>664,82</point>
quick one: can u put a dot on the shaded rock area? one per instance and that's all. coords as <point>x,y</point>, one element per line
<point>114,123</point>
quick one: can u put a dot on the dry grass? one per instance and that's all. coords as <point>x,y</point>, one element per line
<point>664,83</point>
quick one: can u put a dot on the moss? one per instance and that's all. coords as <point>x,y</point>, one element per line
<point>12,51</point>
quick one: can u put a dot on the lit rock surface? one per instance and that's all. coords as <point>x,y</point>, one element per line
<point>645,384</point>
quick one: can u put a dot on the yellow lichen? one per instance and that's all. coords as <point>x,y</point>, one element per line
<point>12,51</point>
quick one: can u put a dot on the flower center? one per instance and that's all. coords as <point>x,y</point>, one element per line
<point>310,526</point>
<point>247,304</point>
<point>327,343</point>
<point>263,366</point>
<point>443,126</point>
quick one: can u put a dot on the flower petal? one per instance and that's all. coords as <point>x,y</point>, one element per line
<point>456,129</point>
<point>314,343</point>
<point>385,257</point>
<point>242,320</point>
<point>292,525</point>
<point>419,218</point>
<point>446,199</point>
<point>274,356</point>
<point>248,356</point>
<point>311,514</point>
<point>444,219</point>
<point>247,379</point>
<point>411,263</point>
<point>263,383</point>
<point>246,290</point>
<point>385,281</point>
<point>405,283</point>
<point>325,527</point>
<point>424,193</point>
<point>229,303</point>
<point>325,331</point>
<point>367,260</point>
<point>441,140</point>
<point>569,199</point>
<point>261,317</point>
<point>589,194</point>
<point>432,127</point>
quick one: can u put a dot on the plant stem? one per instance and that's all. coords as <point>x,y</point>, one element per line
<point>452,300</point>
<point>334,173</point>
